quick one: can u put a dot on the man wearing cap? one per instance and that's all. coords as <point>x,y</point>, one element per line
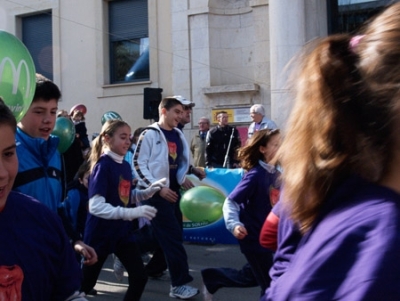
<point>162,152</point>
<point>260,122</point>
<point>186,117</point>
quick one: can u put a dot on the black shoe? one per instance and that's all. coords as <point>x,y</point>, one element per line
<point>92,292</point>
<point>157,275</point>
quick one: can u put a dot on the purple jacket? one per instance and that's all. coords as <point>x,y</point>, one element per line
<point>351,253</point>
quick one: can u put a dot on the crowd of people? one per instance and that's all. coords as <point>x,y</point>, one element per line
<point>316,214</point>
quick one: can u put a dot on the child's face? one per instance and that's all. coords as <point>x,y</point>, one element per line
<point>271,148</point>
<point>85,179</point>
<point>77,117</point>
<point>40,119</point>
<point>8,162</point>
<point>173,116</point>
<point>119,143</point>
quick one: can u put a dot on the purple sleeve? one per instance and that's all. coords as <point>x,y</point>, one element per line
<point>245,189</point>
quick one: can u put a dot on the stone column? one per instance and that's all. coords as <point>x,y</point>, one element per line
<point>287,36</point>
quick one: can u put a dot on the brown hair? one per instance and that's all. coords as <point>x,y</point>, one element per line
<point>343,119</point>
<point>168,103</point>
<point>109,128</point>
<point>250,154</point>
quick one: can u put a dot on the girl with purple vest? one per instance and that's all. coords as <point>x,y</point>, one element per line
<point>341,162</point>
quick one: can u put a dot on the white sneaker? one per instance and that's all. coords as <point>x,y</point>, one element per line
<point>207,296</point>
<point>118,269</point>
<point>183,292</point>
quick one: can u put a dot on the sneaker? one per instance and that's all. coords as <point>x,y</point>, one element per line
<point>183,292</point>
<point>207,296</point>
<point>118,269</point>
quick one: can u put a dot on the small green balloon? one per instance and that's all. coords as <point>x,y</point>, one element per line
<point>17,75</point>
<point>110,115</point>
<point>64,129</point>
<point>202,204</point>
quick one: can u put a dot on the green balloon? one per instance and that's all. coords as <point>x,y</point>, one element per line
<point>110,115</point>
<point>202,204</point>
<point>17,75</point>
<point>64,129</point>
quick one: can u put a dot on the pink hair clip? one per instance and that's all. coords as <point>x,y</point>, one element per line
<point>354,41</point>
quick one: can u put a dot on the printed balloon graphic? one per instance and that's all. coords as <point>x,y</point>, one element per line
<point>110,115</point>
<point>80,107</point>
<point>64,129</point>
<point>17,75</point>
<point>202,204</point>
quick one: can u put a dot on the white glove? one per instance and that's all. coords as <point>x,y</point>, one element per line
<point>141,195</point>
<point>141,211</point>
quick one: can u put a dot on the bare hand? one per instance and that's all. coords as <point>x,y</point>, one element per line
<point>240,232</point>
<point>187,184</point>
<point>199,172</point>
<point>168,194</point>
<point>86,251</point>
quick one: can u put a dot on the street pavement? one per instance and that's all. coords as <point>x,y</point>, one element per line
<point>200,256</point>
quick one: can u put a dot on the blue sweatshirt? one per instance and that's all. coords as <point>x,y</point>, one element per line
<point>39,169</point>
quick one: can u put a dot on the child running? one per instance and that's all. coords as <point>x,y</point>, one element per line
<point>247,206</point>
<point>110,211</point>
<point>36,260</point>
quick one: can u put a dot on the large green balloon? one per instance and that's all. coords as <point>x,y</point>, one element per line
<point>202,204</point>
<point>17,75</point>
<point>64,129</point>
<point>110,115</point>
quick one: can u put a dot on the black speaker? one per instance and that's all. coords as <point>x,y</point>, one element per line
<point>151,100</point>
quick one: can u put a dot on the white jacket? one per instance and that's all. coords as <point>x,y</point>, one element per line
<point>150,159</point>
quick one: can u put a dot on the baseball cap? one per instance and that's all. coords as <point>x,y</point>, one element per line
<point>183,100</point>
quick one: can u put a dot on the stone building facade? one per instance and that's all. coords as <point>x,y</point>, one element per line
<point>222,54</point>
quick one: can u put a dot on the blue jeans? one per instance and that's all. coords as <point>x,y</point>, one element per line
<point>168,232</point>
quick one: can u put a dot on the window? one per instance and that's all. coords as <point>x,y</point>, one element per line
<point>37,37</point>
<point>349,15</point>
<point>128,36</point>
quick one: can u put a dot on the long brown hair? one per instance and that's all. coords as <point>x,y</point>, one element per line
<point>250,154</point>
<point>343,119</point>
<point>109,128</point>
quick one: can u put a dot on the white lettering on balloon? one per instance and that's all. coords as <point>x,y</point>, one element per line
<point>16,74</point>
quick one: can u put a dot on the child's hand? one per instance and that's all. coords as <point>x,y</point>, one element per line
<point>240,232</point>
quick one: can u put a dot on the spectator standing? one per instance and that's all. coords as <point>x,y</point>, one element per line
<point>78,118</point>
<point>162,152</point>
<point>260,122</point>
<point>198,143</point>
<point>218,140</point>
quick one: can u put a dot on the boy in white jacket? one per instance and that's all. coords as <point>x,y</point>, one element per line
<point>162,152</point>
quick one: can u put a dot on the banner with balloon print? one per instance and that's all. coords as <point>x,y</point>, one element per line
<point>17,75</point>
<point>201,206</point>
